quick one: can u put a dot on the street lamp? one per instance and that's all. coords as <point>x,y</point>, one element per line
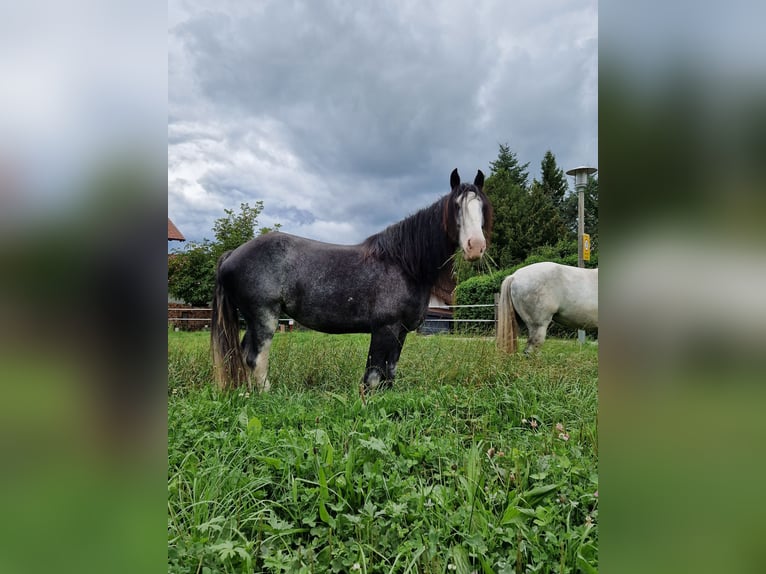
<point>581,175</point>
<point>581,181</point>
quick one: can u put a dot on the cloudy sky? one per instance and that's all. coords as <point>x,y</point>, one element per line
<point>345,117</point>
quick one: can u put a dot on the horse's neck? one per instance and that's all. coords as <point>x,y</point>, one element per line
<point>419,244</point>
<point>430,249</point>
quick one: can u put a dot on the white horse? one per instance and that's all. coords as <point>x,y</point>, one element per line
<point>545,292</point>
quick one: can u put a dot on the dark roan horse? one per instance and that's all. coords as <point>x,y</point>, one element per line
<point>381,286</point>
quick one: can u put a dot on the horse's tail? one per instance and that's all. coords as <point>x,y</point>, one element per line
<point>507,326</point>
<point>228,361</point>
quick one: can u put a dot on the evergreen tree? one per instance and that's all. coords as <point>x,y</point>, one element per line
<point>508,202</point>
<point>508,163</point>
<point>553,180</point>
<point>546,223</point>
<point>525,218</point>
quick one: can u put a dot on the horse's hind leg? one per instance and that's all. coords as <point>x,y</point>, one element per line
<point>257,344</point>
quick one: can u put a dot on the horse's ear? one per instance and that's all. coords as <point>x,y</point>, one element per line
<point>479,181</point>
<point>454,179</point>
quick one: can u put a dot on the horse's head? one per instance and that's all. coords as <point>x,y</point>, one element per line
<point>468,216</point>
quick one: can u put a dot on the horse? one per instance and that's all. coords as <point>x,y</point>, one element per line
<point>381,286</point>
<point>541,293</point>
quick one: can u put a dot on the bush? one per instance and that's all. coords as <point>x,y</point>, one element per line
<point>479,290</point>
<point>191,274</point>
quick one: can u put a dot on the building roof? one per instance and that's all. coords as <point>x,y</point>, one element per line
<point>173,233</point>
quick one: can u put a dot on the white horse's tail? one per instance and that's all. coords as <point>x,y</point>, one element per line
<point>507,327</point>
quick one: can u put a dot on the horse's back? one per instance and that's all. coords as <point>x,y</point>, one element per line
<point>281,253</point>
<point>569,293</point>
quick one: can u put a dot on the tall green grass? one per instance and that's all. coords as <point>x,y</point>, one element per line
<point>460,467</point>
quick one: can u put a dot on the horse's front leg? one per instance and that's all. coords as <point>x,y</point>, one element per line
<point>536,338</point>
<point>385,348</point>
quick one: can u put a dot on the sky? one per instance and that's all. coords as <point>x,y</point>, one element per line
<point>345,117</point>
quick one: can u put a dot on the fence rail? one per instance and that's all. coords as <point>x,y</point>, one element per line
<point>180,310</point>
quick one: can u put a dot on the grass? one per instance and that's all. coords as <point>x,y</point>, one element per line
<point>473,462</point>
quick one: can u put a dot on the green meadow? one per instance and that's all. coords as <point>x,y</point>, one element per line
<point>473,462</point>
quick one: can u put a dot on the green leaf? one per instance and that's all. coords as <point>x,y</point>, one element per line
<point>340,398</point>
<point>254,427</point>
<point>325,516</point>
<point>215,524</point>
<point>375,444</point>
<point>459,558</point>
<point>512,514</point>
<point>530,496</point>
<point>271,461</point>
<point>585,566</point>
<point>323,491</point>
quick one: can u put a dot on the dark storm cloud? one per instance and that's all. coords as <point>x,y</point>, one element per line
<point>359,92</point>
<point>356,112</point>
<point>294,215</point>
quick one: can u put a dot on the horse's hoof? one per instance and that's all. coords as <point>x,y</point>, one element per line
<point>373,381</point>
<point>264,387</point>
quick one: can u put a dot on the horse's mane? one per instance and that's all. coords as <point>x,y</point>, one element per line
<point>423,244</point>
<point>419,244</point>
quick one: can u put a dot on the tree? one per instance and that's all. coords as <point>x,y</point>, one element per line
<point>235,229</point>
<point>191,272</point>
<point>546,226</point>
<point>525,218</point>
<point>508,199</point>
<point>553,181</point>
<point>507,163</point>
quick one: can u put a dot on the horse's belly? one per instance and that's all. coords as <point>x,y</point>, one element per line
<point>355,315</point>
<point>333,325</point>
<point>331,316</point>
<point>585,319</point>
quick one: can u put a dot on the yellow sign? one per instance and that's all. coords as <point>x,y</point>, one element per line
<point>586,247</point>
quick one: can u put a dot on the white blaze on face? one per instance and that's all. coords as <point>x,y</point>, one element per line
<point>471,219</point>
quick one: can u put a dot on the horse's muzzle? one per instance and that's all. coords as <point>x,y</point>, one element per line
<point>474,248</point>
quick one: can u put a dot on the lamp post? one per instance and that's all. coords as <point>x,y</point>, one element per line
<point>581,175</point>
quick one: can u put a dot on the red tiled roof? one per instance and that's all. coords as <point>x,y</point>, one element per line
<point>173,233</point>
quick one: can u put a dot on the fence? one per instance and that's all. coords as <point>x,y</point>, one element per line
<point>185,318</point>
<point>198,318</point>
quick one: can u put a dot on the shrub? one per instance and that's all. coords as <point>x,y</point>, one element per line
<point>479,290</point>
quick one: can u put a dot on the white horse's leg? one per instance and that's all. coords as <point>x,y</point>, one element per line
<point>536,337</point>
